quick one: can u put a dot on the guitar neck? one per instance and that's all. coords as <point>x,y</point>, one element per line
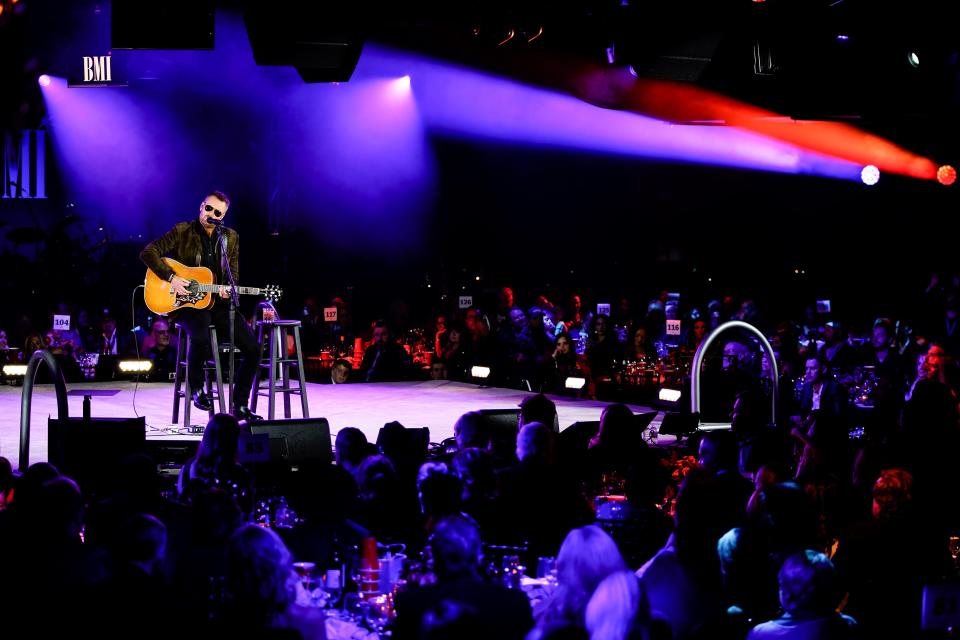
<point>213,288</point>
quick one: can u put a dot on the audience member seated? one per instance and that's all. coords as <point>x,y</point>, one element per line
<point>456,353</point>
<point>384,507</point>
<point>517,351</point>
<point>457,553</point>
<point>112,341</point>
<point>836,352</point>
<point>48,562</point>
<point>541,501</point>
<point>809,597</point>
<point>539,408</point>
<point>566,363</point>
<point>639,348</point>
<point>619,610</point>
<point>603,349</point>
<point>438,370</point>
<point>161,352</point>
<point>543,342</point>
<point>615,450</point>
<point>682,580</point>
<point>136,492</point>
<point>480,346</point>
<point>587,556</point>
<point>139,581</point>
<point>201,564</point>
<point>738,374</point>
<point>886,560</point>
<point>475,469</point>
<point>440,493</point>
<point>341,371</point>
<point>720,457</point>
<point>384,360</point>
<point>351,449</point>
<point>780,522</point>
<point>471,430</point>
<point>215,464</point>
<point>261,587</point>
<point>820,393</point>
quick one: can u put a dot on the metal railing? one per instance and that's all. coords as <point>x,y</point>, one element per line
<point>63,409</point>
<point>698,362</point>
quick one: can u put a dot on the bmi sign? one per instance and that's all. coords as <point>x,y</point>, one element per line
<point>95,71</point>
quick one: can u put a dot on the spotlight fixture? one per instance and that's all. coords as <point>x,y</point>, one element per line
<point>14,370</point>
<point>870,175</point>
<point>44,80</point>
<point>669,395</point>
<point>946,175</point>
<point>913,59</point>
<point>480,372</point>
<point>135,366</point>
<point>574,383</point>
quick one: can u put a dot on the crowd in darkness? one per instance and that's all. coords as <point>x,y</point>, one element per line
<point>825,520</point>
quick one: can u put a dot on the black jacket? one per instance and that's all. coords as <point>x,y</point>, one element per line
<point>182,243</point>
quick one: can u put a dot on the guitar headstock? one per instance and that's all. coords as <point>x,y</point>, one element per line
<point>272,292</point>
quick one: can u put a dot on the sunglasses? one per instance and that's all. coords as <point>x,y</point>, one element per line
<point>210,209</point>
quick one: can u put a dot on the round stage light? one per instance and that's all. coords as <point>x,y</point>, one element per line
<point>946,175</point>
<point>44,80</point>
<point>913,59</point>
<point>870,175</point>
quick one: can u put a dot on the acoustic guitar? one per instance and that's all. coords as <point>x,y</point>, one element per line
<point>161,298</point>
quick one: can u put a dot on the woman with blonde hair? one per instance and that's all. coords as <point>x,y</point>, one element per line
<point>587,556</point>
<point>618,609</point>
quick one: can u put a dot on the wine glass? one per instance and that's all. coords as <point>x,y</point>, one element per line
<point>310,584</point>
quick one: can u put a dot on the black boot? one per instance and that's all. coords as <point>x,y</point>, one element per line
<point>202,401</point>
<point>243,413</point>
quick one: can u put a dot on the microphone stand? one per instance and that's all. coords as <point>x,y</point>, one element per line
<point>234,303</point>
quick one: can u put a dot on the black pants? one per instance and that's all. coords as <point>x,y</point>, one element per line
<point>196,322</point>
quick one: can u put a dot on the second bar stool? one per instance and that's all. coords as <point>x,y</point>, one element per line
<point>272,335</point>
<point>181,379</point>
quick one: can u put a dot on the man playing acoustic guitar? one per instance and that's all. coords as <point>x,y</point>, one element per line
<point>195,244</point>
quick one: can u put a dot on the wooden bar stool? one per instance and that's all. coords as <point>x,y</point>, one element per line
<point>272,335</point>
<point>212,376</point>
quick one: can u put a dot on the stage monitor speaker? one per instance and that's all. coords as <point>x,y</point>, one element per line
<point>503,426</point>
<point>294,441</point>
<point>89,451</point>
<point>417,441</point>
<point>172,24</point>
<point>322,40</point>
<point>679,424</point>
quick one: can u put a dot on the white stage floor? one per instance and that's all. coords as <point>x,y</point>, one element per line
<point>433,404</point>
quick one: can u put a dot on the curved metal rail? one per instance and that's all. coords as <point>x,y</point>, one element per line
<point>63,410</point>
<point>698,362</point>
